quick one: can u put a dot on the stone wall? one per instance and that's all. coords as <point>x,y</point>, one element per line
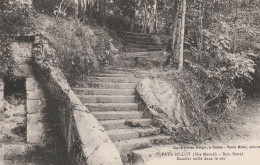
<point>87,143</point>
<point>258,77</point>
<point>1,111</point>
<point>86,140</point>
<point>21,116</point>
<point>35,103</point>
<point>1,121</point>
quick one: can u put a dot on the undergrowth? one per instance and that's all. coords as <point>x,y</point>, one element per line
<point>79,50</point>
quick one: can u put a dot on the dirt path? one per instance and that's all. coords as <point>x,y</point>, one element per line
<point>242,126</point>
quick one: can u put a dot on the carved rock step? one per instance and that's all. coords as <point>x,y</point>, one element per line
<point>134,133</point>
<point>126,146</point>
<point>112,79</point>
<point>148,54</point>
<point>115,115</point>
<point>132,39</point>
<point>103,85</point>
<point>113,75</point>
<point>106,99</point>
<point>143,49</point>
<point>143,155</point>
<point>140,42</point>
<point>112,106</point>
<point>135,34</point>
<point>160,139</point>
<point>96,91</point>
<point>120,124</point>
<point>144,45</point>
<point>116,71</point>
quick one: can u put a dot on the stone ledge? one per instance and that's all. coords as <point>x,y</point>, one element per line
<point>35,106</point>
<point>23,71</point>
<point>86,139</point>
<point>35,129</point>
<point>1,95</point>
<point>31,84</point>
<point>37,94</point>
<point>105,154</point>
<point>1,85</point>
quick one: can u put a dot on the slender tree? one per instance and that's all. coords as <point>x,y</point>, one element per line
<point>175,14</point>
<point>102,11</point>
<point>175,30</point>
<point>182,35</point>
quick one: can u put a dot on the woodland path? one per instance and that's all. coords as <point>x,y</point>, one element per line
<point>242,126</point>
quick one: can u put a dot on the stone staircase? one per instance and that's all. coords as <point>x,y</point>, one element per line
<point>111,98</point>
<point>140,42</point>
<point>142,50</point>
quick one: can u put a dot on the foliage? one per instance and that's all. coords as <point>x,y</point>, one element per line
<point>16,19</point>
<point>6,60</point>
<point>78,50</point>
<point>218,41</point>
<point>46,6</point>
<point>60,10</point>
<point>130,15</point>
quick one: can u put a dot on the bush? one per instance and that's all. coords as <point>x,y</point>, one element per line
<point>78,50</point>
<point>16,19</point>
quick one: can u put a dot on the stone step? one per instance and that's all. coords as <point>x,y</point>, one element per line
<point>113,124</point>
<point>134,34</point>
<point>141,42</point>
<point>142,54</point>
<point>112,79</point>
<point>112,106</point>
<point>106,99</point>
<point>160,139</point>
<point>126,134</point>
<point>120,124</point>
<point>143,49</point>
<point>125,146</point>
<point>112,71</point>
<point>96,91</point>
<point>142,156</point>
<point>116,115</point>
<point>114,75</point>
<point>129,39</point>
<point>103,85</point>
<point>122,134</point>
<point>139,122</point>
<point>147,46</point>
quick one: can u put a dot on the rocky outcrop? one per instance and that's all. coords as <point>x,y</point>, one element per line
<point>164,103</point>
<point>87,143</point>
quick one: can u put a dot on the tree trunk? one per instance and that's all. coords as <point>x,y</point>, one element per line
<point>102,11</point>
<point>176,50</point>
<point>145,15</point>
<point>182,35</point>
<point>177,44</point>
<point>155,16</point>
<point>175,30</point>
<point>201,8</point>
<point>172,56</point>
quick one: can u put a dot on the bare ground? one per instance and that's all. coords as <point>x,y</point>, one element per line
<point>241,125</point>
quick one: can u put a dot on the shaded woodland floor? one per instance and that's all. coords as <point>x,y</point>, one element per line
<point>241,126</point>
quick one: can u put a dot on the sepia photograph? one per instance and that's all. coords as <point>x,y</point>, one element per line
<point>129,82</point>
